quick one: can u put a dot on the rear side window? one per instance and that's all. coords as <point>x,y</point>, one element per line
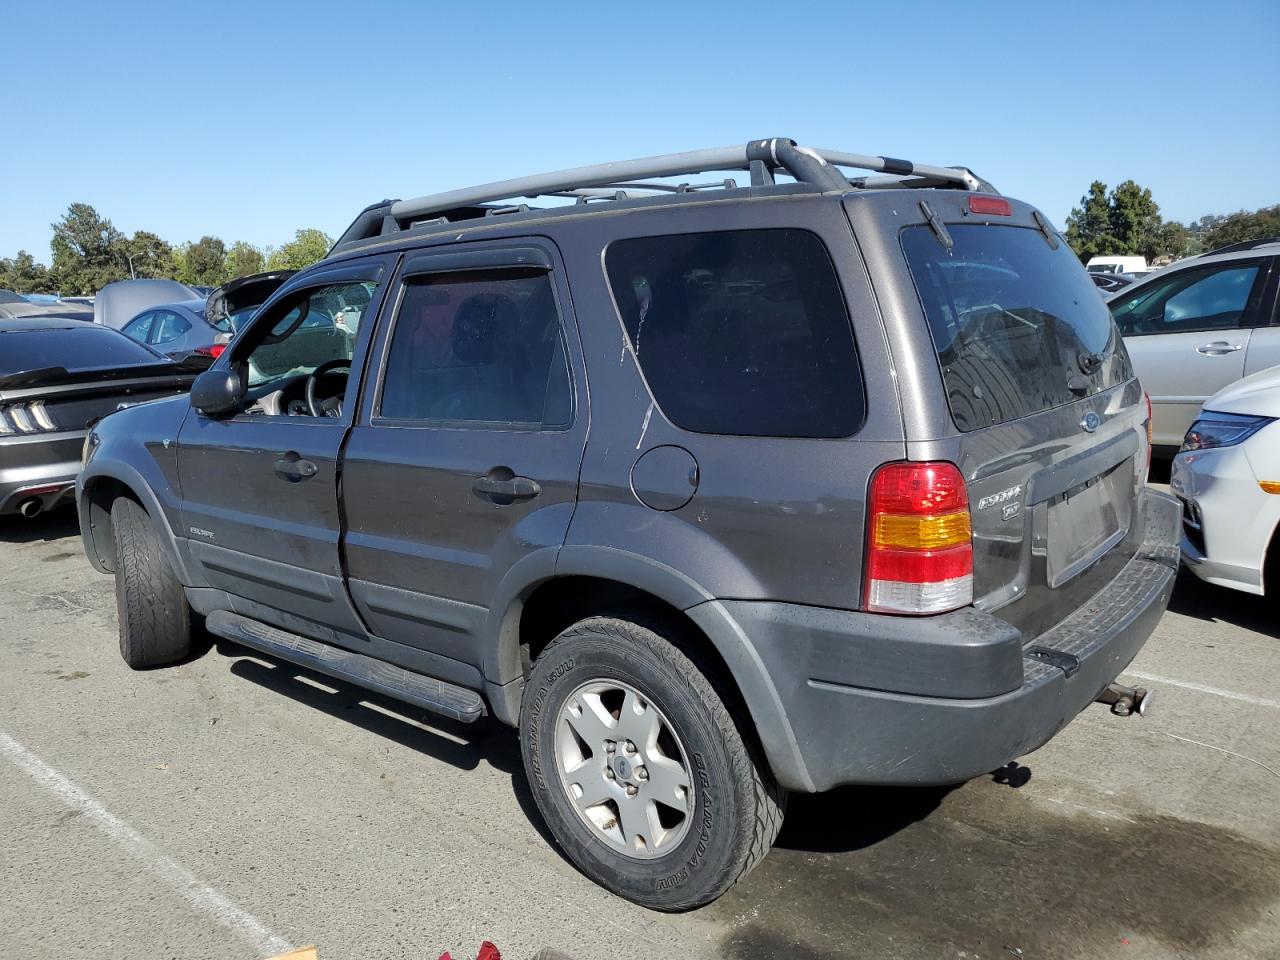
<point>483,349</point>
<point>740,332</point>
<point>169,327</point>
<point>1214,298</point>
<point>1017,325</point>
<point>86,346</point>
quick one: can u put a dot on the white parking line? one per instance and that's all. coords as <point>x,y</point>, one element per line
<point>1202,688</point>
<point>200,895</point>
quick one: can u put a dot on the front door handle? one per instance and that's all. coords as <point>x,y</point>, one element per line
<point>503,490</point>
<point>294,468</point>
<point>1219,348</point>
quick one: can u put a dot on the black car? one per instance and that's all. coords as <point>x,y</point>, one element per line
<point>1109,283</point>
<point>57,377</point>
<point>714,492</point>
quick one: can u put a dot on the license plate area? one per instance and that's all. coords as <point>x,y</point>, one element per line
<point>1087,521</point>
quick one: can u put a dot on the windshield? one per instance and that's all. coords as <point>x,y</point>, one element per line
<point>84,347</point>
<point>1018,326</point>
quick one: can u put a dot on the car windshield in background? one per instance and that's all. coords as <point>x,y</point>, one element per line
<point>85,347</point>
<point>1018,326</point>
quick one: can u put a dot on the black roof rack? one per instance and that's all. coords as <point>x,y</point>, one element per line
<point>1242,245</point>
<point>631,179</point>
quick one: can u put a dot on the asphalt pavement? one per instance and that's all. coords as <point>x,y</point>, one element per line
<point>233,807</point>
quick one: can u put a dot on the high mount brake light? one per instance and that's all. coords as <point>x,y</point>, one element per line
<point>996,206</point>
<point>920,553</point>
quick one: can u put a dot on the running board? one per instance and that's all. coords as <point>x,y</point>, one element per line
<point>447,699</point>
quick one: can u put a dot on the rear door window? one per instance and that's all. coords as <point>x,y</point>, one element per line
<point>1017,325</point>
<point>169,326</point>
<point>1216,297</point>
<point>740,332</point>
<point>481,349</point>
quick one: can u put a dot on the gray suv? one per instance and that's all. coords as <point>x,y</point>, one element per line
<point>714,491</point>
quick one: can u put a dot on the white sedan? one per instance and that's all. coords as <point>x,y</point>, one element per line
<point>1228,477</point>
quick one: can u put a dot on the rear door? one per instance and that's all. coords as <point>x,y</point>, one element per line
<point>1188,333</point>
<point>466,455</point>
<point>1036,403</point>
<point>1264,341</point>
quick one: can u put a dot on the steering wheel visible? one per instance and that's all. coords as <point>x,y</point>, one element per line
<point>332,406</point>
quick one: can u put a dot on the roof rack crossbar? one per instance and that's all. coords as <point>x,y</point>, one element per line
<point>760,157</point>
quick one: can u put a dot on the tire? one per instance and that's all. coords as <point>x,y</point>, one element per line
<point>155,620</point>
<point>584,681</point>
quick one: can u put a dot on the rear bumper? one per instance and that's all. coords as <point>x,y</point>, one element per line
<point>43,466</point>
<point>880,712</point>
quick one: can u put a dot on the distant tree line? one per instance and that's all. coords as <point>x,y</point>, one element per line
<point>1127,221</point>
<point>89,252</point>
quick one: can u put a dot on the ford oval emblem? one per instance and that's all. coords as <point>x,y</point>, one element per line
<point>1089,422</point>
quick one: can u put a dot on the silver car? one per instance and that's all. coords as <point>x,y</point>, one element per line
<point>1197,326</point>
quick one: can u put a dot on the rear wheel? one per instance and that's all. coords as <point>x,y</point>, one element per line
<point>639,769</point>
<point>155,619</point>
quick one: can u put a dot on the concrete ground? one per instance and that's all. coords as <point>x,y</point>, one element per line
<point>232,806</point>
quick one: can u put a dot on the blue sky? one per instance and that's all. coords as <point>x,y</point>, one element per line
<point>250,120</point>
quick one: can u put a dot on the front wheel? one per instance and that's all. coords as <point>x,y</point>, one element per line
<point>155,619</point>
<point>639,769</point>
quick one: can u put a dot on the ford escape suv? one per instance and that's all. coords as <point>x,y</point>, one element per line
<point>714,491</point>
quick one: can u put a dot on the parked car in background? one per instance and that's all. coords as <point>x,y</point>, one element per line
<point>1227,475</point>
<point>14,305</point>
<point>237,300</point>
<point>118,303</point>
<point>1199,325</point>
<point>1130,265</point>
<point>1109,283</point>
<point>857,493</point>
<point>179,329</point>
<point>56,378</point>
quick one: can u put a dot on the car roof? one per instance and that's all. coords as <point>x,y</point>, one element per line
<point>33,324</point>
<point>1267,248</point>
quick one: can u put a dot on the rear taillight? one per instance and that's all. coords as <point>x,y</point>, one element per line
<point>215,351</point>
<point>920,548</point>
<point>25,418</point>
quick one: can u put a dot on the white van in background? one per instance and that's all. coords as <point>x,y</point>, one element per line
<point>1131,265</point>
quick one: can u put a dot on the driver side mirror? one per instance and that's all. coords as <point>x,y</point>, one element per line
<point>216,393</point>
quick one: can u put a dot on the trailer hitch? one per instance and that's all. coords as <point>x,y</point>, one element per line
<point>1126,701</point>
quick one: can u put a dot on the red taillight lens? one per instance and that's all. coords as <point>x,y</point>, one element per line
<point>215,351</point>
<point>998,206</point>
<point>920,548</point>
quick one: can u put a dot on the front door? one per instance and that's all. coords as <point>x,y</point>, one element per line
<point>464,460</point>
<point>1188,336</point>
<point>260,487</point>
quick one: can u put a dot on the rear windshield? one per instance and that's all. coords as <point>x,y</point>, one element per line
<point>83,347</point>
<point>740,332</point>
<point>1018,326</point>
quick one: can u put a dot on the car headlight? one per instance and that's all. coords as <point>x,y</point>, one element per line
<point>1222,430</point>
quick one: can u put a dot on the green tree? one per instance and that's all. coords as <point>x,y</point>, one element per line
<point>23,275</point>
<point>306,247</point>
<point>1135,220</point>
<point>243,259</point>
<point>1089,225</point>
<point>205,262</point>
<point>1258,225</point>
<point>148,256</point>
<point>86,251</point>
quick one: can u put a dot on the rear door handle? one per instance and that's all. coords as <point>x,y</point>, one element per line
<point>506,490</point>
<point>1218,348</point>
<point>294,468</point>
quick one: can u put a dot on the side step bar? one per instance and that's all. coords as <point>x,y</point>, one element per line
<point>447,699</point>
